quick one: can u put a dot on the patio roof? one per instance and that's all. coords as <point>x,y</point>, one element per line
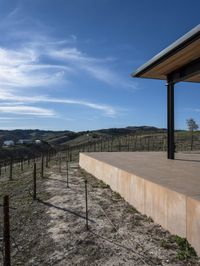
<point>179,62</point>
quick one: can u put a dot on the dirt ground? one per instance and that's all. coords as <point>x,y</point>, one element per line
<point>52,230</point>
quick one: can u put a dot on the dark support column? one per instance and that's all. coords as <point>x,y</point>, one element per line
<point>170,119</point>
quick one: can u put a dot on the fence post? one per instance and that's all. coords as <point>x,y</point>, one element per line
<point>47,161</point>
<point>49,156</point>
<point>34,183</point>
<point>42,166</point>
<point>60,164</point>
<point>67,174</point>
<point>6,234</point>
<point>86,205</point>
<point>119,145</point>
<point>22,165</point>
<point>11,169</point>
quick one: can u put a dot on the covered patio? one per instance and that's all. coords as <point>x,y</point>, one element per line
<point>178,62</point>
<point>166,190</point>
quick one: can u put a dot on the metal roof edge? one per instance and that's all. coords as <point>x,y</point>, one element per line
<point>179,44</point>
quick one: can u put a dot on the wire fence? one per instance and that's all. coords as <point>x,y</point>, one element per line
<point>36,168</point>
<point>32,170</point>
<point>131,143</point>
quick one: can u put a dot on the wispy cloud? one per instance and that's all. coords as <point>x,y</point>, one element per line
<point>34,44</point>
<point>27,110</point>
<point>98,68</point>
<point>25,66</point>
<point>40,62</point>
<point>7,96</point>
<point>191,110</point>
<point>22,68</point>
<point>14,118</point>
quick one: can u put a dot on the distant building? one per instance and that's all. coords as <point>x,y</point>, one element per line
<point>8,143</point>
<point>38,141</point>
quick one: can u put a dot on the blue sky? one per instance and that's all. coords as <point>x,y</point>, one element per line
<point>66,64</point>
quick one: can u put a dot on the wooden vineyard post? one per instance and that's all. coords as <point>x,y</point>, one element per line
<point>67,174</point>
<point>6,233</point>
<point>86,206</point>
<point>60,161</point>
<point>34,182</point>
<point>47,161</point>
<point>42,166</point>
<point>11,169</point>
<point>22,165</point>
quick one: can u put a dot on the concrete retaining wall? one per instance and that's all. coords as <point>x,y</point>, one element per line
<point>174,211</point>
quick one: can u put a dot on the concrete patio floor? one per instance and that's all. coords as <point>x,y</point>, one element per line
<point>166,190</point>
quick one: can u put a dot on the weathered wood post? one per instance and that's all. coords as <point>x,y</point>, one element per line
<point>6,233</point>
<point>60,161</point>
<point>86,205</point>
<point>22,165</point>
<point>42,166</point>
<point>67,174</point>
<point>34,182</point>
<point>119,143</point>
<point>11,169</point>
<point>47,161</point>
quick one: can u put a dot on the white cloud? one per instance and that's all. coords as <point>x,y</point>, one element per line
<point>192,110</point>
<point>25,67</point>
<point>35,43</point>
<point>27,110</point>
<point>197,110</point>
<point>41,62</point>
<point>98,68</point>
<point>7,96</point>
<point>22,68</point>
<point>7,118</point>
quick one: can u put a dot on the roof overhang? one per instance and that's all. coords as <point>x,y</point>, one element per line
<point>179,62</point>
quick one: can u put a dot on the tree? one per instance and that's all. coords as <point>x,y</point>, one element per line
<point>192,126</point>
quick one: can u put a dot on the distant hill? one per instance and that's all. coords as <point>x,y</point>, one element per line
<point>17,134</point>
<point>60,140</point>
<point>146,128</point>
<point>63,137</point>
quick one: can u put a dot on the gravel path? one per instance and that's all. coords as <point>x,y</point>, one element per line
<point>117,235</point>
